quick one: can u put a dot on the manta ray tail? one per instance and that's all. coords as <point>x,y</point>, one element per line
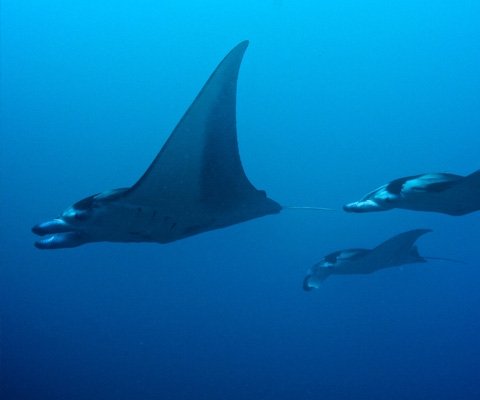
<point>452,260</point>
<point>307,208</point>
<point>415,255</point>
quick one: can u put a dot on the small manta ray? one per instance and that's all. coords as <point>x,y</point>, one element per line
<point>437,192</point>
<point>396,251</point>
<point>195,184</point>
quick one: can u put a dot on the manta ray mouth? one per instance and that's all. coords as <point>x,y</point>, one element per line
<point>58,235</point>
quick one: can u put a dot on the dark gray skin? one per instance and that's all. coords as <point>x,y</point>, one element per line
<point>436,192</point>
<point>396,251</point>
<point>195,184</point>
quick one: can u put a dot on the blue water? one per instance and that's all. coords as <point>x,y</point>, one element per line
<point>335,98</point>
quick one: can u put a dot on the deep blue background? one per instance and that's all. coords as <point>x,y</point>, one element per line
<point>335,98</point>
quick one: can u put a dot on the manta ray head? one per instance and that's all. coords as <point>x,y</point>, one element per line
<point>378,200</point>
<point>317,274</point>
<point>78,224</point>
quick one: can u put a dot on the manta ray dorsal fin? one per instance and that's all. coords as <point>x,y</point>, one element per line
<point>200,162</point>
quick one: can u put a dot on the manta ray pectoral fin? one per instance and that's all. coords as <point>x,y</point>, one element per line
<point>200,162</point>
<point>440,186</point>
<point>415,256</point>
<point>399,245</point>
<point>431,183</point>
<point>473,179</point>
<point>474,175</point>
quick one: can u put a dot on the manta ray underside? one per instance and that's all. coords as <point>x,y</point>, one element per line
<point>195,184</point>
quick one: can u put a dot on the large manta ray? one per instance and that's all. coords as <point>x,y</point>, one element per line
<point>437,192</point>
<point>396,251</point>
<point>195,184</point>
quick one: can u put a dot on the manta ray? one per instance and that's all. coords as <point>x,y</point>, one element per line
<point>436,192</point>
<point>396,251</point>
<point>195,184</point>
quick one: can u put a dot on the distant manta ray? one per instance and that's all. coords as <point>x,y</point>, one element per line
<point>195,184</point>
<point>396,251</point>
<point>436,192</point>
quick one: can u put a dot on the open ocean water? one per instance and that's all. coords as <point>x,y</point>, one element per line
<point>335,98</point>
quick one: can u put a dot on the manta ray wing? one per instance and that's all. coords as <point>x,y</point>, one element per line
<point>398,249</point>
<point>473,181</point>
<point>433,183</point>
<point>199,168</point>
